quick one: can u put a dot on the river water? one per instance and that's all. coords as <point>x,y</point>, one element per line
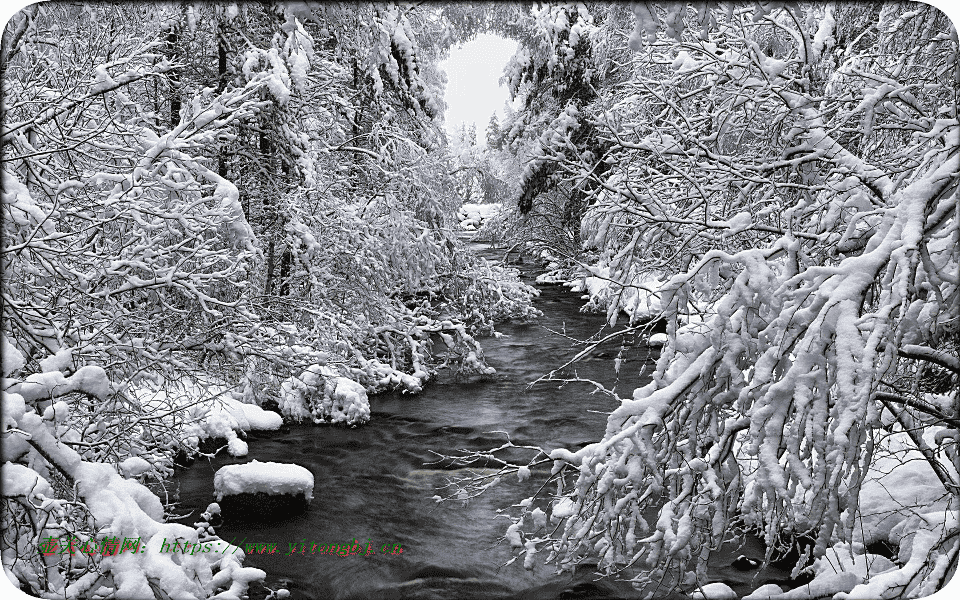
<point>374,484</point>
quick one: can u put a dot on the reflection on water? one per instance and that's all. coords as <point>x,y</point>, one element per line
<point>375,483</point>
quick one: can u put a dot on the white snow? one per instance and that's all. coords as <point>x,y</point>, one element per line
<point>13,359</point>
<point>237,447</point>
<point>513,535</point>
<point>823,586</point>
<point>899,483</point>
<point>562,509</point>
<point>57,412</point>
<point>215,414</point>
<point>917,538</point>
<point>738,222</point>
<point>133,466</point>
<point>640,299</point>
<point>246,417</point>
<point>267,477</point>
<point>123,508</point>
<point>90,379</point>
<point>102,80</point>
<point>539,518</point>
<point>551,277</point>
<point>684,63</point>
<point>823,39</point>
<point>19,480</point>
<point>840,559</point>
<point>61,361</point>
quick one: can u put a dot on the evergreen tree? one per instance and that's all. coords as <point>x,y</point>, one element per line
<point>494,135</point>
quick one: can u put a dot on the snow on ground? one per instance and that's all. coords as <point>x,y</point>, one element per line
<point>899,484</point>
<point>852,559</point>
<point>472,216</point>
<point>266,477</point>
<point>823,586</point>
<point>901,502</point>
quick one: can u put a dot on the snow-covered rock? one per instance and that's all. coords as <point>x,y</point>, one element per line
<point>764,592</point>
<point>259,491</point>
<point>657,340</point>
<point>714,591</point>
<point>265,477</point>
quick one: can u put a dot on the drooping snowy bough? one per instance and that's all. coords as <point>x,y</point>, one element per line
<point>794,172</point>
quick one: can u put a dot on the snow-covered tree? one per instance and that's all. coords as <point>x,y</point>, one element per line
<point>789,174</point>
<point>202,205</point>
<point>124,256</point>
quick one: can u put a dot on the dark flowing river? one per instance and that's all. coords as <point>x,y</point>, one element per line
<point>374,484</point>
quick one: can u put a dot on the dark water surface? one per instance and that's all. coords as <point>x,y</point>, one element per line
<point>373,483</point>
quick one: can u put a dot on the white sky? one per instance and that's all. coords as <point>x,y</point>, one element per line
<point>473,72</point>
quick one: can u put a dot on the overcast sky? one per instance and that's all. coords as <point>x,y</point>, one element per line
<point>473,73</point>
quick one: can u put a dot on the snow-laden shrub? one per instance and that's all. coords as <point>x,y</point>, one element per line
<point>321,394</point>
<point>481,295</point>
<point>223,417</point>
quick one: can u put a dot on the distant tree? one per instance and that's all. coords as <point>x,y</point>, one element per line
<point>493,133</point>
